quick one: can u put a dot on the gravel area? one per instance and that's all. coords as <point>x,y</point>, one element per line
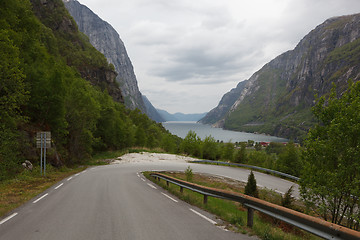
<point>150,157</point>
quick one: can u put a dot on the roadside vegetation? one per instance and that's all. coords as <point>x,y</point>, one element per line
<point>330,182</point>
<point>232,213</point>
<point>283,157</point>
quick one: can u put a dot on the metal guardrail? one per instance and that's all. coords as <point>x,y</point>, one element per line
<point>251,167</point>
<point>308,223</point>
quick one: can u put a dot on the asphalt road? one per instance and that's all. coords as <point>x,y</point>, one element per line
<point>116,202</point>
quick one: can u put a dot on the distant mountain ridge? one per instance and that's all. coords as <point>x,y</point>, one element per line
<point>278,98</point>
<point>180,116</point>
<point>107,41</point>
<point>152,111</point>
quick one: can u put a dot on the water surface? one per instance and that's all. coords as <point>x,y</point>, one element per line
<point>181,129</point>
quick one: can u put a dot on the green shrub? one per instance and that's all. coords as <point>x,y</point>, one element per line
<point>189,174</point>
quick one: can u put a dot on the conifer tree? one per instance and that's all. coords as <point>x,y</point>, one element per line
<point>250,188</point>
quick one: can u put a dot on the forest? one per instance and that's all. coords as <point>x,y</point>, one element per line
<point>52,79</point>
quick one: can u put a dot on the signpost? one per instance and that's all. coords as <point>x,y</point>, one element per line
<point>43,141</point>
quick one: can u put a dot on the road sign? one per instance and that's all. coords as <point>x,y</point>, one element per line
<point>43,141</point>
<point>46,139</point>
<point>48,144</point>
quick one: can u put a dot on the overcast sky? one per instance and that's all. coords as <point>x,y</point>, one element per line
<point>188,53</point>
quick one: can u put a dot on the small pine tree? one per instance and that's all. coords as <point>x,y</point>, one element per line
<point>250,188</point>
<point>288,199</point>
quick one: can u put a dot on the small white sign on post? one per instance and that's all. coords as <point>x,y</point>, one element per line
<point>43,141</point>
<point>46,139</point>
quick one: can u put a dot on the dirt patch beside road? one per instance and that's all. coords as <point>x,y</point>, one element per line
<point>151,157</point>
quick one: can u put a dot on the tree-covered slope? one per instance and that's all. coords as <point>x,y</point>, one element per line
<point>278,98</point>
<point>52,79</point>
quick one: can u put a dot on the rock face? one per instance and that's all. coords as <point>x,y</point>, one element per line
<point>95,69</point>
<point>224,105</point>
<point>278,98</point>
<point>106,40</point>
<point>27,165</point>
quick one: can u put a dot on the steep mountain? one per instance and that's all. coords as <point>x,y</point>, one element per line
<point>278,98</point>
<point>106,40</point>
<point>53,79</point>
<point>180,116</point>
<point>72,46</point>
<point>151,111</point>
<point>224,105</point>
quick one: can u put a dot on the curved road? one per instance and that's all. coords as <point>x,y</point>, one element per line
<point>116,202</point>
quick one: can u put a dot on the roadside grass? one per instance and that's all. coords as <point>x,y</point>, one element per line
<point>26,185</point>
<point>232,213</point>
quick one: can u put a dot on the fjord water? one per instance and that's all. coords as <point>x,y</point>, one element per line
<point>181,129</point>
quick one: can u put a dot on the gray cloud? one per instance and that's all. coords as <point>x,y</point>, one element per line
<point>201,49</point>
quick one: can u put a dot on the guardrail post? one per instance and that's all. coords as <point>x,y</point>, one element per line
<point>167,183</point>
<point>205,199</point>
<point>181,189</point>
<point>250,217</point>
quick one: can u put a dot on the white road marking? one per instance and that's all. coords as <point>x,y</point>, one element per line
<point>77,174</point>
<point>152,186</point>
<point>204,217</point>
<point>8,218</point>
<point>59,185</point>
<point>84,171</point>
<point>169,197</point>
<point>40,198</point>
<point>143,179</point>
<point>69,178</point>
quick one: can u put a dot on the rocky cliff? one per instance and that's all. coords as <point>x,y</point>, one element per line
<point>106,40</point>
<point>278,98</point>
<point>76,50</point>
<point>224,105</point>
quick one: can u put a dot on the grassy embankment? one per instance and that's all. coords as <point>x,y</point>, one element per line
<point>233,213</point>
